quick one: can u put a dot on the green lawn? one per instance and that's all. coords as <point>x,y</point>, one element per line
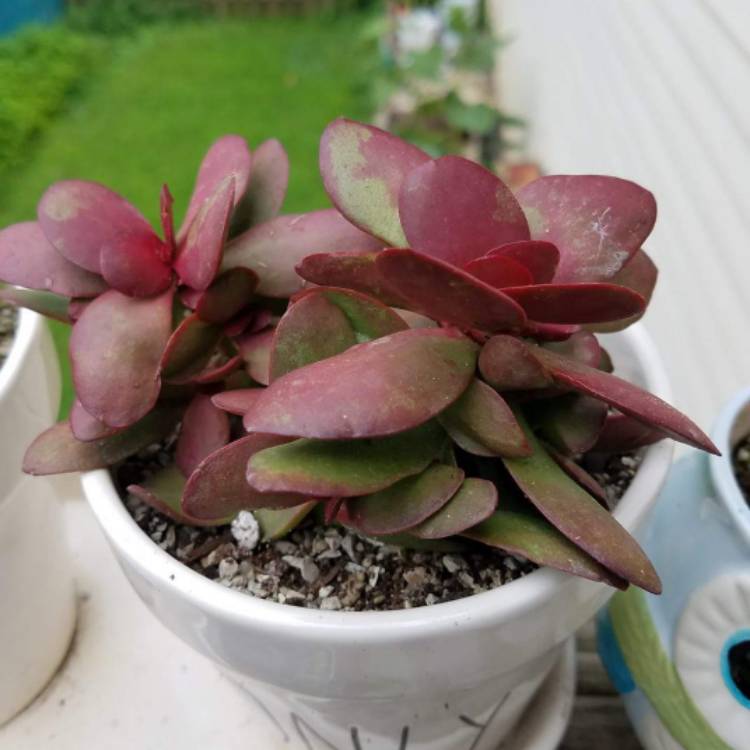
<point>150,114</point>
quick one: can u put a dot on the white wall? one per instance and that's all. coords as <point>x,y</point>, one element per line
<point>657,91</point>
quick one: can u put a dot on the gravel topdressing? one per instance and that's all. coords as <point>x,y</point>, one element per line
<point>333,568</point>
<point>741,463</point>
<point>8,317</point>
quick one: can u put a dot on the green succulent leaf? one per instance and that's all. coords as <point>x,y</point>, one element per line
<point>406,503</point>
<point>474,502</point>
<point>345,468</point>
<point>276,524</point>
<point>579,517</point>
<point>482,423</point>
<point>539,541</point>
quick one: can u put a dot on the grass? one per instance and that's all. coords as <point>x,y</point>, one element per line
<point>150,114</point>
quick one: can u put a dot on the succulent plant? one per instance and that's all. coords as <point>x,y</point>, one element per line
<point>419,363</point>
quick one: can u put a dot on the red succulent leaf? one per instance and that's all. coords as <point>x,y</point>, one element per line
<point>200,251</point>
<point>498,271</point>
<point>189,348</point>
<point>219,367</point>
<point>582,346</point>
<point>79,218</point>
<point>444,292</point>
<point>273,249</point>
<point>363,169</point>
<point>580,517</point>
<point>345,468</point>
<point>597,222</point>
<point>537,540</point>
<point>255,349</point>
<point>350,270</point>
<point>571,423</point>
<point>378,388</point>
<point>116,349</point>
<point>640,275</point>
<point>456,210</point>
<point>576,472</point>
<point>576,303</point>
<point>250,320</point>
<point>622,434</point>
<point>227,296</point>
<point>27,259</point>
<point>162,491</point>
<point>507,364</point>
<point>133,264</point>
<point>205,429</point>
<point>312,329</point>
<point>475,501</point>
<point>539,257</point>
<point>624,396</point>
<point>87,428</point>
<point>166,215</point>
<point>369,317</point>
<point>549,331</point>
<point>406,503</point>
<point>228,159</point>
<point>45,303</point>
<point>482,423</point>
<point>217,488</point>
<point>57,451</point>
<point>237,401</point>
<point>267,188</point>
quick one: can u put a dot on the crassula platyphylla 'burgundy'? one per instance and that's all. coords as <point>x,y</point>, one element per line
<point>419,363</point>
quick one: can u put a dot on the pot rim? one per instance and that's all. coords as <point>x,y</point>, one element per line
<point>27,328</point>
<point>720,467</point>
<point>488,607</point>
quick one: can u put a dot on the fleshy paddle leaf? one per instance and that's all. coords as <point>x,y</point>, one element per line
<point>640,275</point>
<point>57,451</point>
<point>456,210</point>
<point>369,318</point>
<point>255,350</point>
<point>379,388</point>
<point>446,293</point>
<point>482,423</point>
<point>273,249</point>
<point>136,264</point>
<point>622,434</point>
<point>200,252</point>
<point>363,169</point>
<point>217,488</point>
<point>45,303</point>
<point>27,259</point>
<point>189,348</point>
<point>124,338</point>
<point>87,428</point>
<point>499,272</point>
<point>626,397</point>
<point>538,541</point>
<point>571,423</point>
<point>237,401</point>
<point>598,223</point>
<point>475,501</point>
<point>228,158</point>
<point>351,270</point>
<point>205,429</point>
<point>265,193</point>
<point>579,516</point>
<point>345,468</point>
<point>162,491</point>
<point>276,524</point>
<point>507,364</point>
<point>577,303</point>
<point>79,218</point>
<point>406,503</point>
<point>540,258</point>
<point>227,296</point>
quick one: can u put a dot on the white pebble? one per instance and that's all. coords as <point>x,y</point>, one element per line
<point>246,531</point>
<point>228,568</point>
<point>331,603</point>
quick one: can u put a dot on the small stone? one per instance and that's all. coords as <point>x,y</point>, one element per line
<point>451,564</point>
<point>228,568</point>
<point>331,603</point>
<point>466,580</point>
<point>246,531</point>
<point>285,548</point>
<point>325,592</point>
<point>415,577</point>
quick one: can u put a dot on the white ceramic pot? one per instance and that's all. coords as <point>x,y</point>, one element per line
<point>37,600</point>
<point>453,676</point>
